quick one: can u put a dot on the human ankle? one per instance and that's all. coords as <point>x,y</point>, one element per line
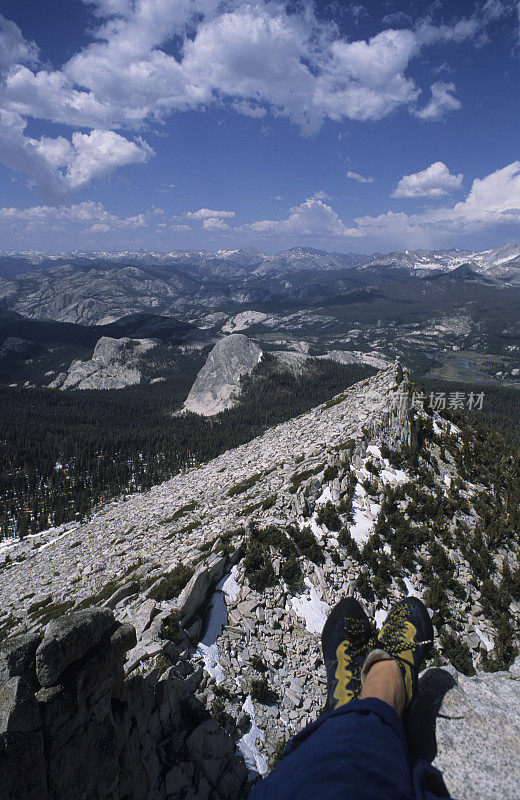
<point>384,681</point>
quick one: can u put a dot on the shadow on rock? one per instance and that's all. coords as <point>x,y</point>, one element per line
<point>420,729</point>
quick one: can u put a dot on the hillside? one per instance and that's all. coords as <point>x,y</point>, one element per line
<point>227,572</point>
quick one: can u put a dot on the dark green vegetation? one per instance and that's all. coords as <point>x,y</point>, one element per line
<point>258,664</point>
<point>50,345</point>
<point>260,690</point>
<point>289,543</point>
<point>63,453</point>
<point>172,583</point>
<point>421,523</point>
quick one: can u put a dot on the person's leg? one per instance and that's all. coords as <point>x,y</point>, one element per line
<point>384,681</point>
<point>358,750</point>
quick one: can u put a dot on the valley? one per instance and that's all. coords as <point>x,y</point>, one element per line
<point>424,307</point>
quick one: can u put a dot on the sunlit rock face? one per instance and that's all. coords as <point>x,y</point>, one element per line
<point>114,365</point>
<point>217,385</point>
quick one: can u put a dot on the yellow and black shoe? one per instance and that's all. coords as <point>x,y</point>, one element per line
<point>346,639</point>
<point>406,637</point>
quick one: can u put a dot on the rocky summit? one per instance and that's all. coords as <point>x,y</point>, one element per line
<point>217,385</point>
<point>114,364</point>
<point>169,647</point>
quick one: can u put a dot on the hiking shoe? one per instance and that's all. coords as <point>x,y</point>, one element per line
<point>346,640</point>
<point>407,638</point>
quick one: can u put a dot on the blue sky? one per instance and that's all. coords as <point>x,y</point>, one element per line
<point>154,124</point>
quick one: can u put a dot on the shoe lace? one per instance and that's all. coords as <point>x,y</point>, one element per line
<point>392,640</point>
<point>356,635</point>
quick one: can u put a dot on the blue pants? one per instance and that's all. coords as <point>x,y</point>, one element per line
<point>357,752</point>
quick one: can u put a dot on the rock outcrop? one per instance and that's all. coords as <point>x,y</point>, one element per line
<point>217,385</point>
<point>469,728</point>
<point>114,365</point>
<point>90,729</point>
<point>79,718</point>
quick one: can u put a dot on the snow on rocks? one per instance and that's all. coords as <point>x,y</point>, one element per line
<point>247,744</point>
<point>227,589</point>
<point>486,640</point>
<point>391,475</point>
<point>362,525</point>
<point>410,589</point>
<point>309,607</point>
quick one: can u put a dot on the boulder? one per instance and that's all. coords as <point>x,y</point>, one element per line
<point>103,670</point>
<point>142,617</point>
<point>470,729</point>
<point>514,669</point>
<point>17,656</point>
<point>195,593</point>
<point>121,594</point>
<point>67,639</point>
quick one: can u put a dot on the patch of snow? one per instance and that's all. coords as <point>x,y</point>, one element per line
<point>324,496</point>
<point>379,618</point>
<point>58,533</point>
<point>374,450</point>
<point>437,428</point>
<point>362,525</point>
<point>56,539</point>
<point>309,607</point>
<point>315,528</point>
<point>375,508</point>
<point>447,480</point>
<point>412,592</point>
<point>253,759</point>
<point>229,585</point>
<point>391,475</point>
<point>227,589</point>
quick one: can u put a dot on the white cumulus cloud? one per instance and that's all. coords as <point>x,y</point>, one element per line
<point>57,165</point>
<point>14,49</point>
<point>215,224</point>
<point>442,101</point>
<point>435,181</point>
<point>492,201</point>
<point>313,217</point>
<point>257,58</point>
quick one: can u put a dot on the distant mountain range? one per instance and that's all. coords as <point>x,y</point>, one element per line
<point>246,261</point>
<point>99,288</point>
